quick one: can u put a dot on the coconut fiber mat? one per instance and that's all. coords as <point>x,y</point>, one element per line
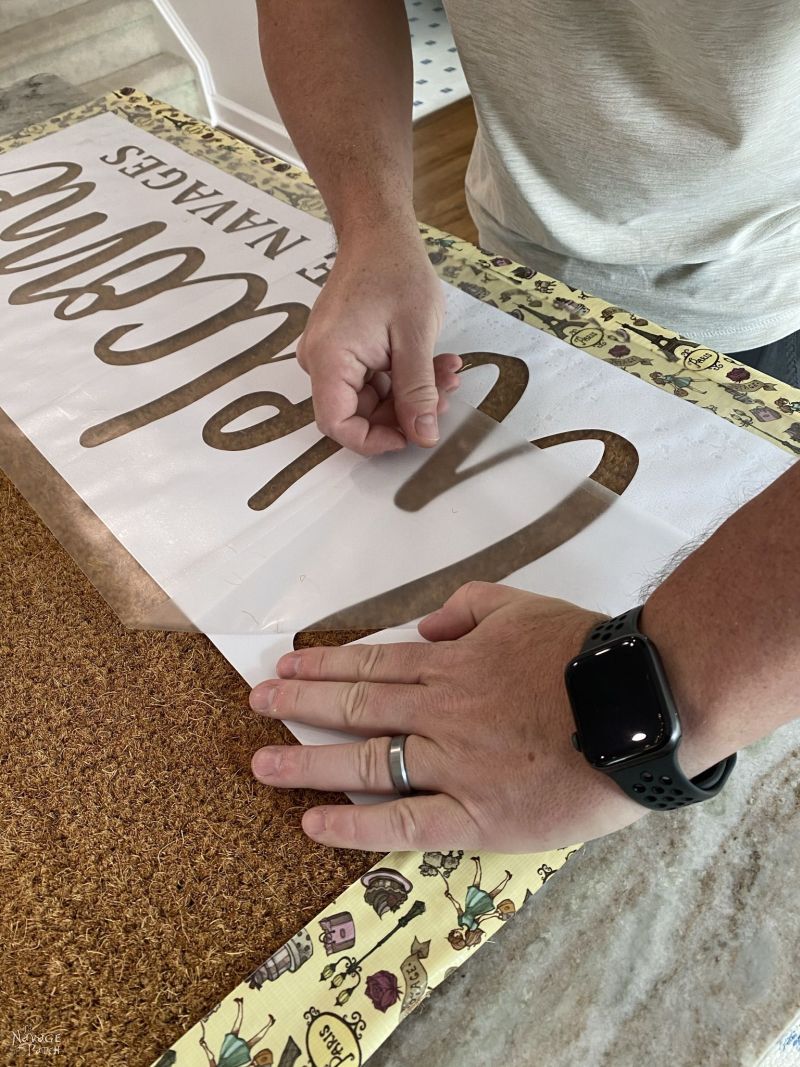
<point>143,871</point>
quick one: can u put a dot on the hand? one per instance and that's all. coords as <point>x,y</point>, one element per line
<point>489,725</point>
<point>369,344</point>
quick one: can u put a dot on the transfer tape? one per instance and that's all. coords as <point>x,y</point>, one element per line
<point>383,542</point>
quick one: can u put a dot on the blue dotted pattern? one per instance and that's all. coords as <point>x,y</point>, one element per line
<point>438,77</point>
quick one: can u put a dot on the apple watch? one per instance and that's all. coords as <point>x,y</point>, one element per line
<point>627,725</point>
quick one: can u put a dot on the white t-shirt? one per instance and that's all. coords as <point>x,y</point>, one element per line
<point>647,151</point>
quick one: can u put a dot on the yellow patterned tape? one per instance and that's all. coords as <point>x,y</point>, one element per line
<point>333,993</point>
<point>342,984</point>
<point>688,369</point>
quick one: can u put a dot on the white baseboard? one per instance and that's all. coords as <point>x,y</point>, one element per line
<point>190,47</point>
<point>259,130</point>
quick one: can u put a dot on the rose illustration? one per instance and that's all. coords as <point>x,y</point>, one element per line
<point>738,374</point>
<point>382,990</point>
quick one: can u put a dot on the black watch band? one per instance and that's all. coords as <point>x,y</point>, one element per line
<point>656,782</point>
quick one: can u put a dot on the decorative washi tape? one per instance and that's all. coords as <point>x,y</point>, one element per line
<point>336,990</point>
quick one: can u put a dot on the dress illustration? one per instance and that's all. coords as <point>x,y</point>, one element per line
<point>479,905</point>
<point>236,1051</point>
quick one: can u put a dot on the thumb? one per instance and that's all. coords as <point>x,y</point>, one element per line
<point>416,397</point>
<point>465,609</point>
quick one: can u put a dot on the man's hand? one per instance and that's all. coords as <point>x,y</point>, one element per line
<point>369,344</point>
<point>486,710</point>
<point>489,725</point>
<point>370,337</point>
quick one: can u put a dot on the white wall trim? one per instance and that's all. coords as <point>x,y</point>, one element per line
<point>244,80</point>
<point>193,50</point>
<point>257,129</point>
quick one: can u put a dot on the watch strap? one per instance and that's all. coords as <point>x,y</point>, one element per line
<point>661,784</point>
<point>657,782</point>
<point>609,629</point>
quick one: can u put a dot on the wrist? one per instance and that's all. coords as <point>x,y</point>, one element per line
<point>685,647</point>
<point>377,221</point>
<point>385,251</point>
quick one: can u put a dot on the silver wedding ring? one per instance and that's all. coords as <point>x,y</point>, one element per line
<point>398,771</point>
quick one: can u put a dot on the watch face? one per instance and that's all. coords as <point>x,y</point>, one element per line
<point>617,701</point>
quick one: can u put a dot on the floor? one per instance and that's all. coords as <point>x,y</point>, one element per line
<point>444,122</point>
<point>438,77</point>
<point>442,144</point>
<point>96,45</point>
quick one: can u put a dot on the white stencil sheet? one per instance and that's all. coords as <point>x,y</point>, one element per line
<point>118,378</point>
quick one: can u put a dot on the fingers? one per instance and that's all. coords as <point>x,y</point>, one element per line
<point>362,766</point>
<point>467,607</point>
<point>445,368</point>
<point>336,409</point>
<point>414,384</point>
<point>358,707</point>
<point>376,401</point>
<point>409,824</point>
<point>358,663</point>
<point>355,406</point>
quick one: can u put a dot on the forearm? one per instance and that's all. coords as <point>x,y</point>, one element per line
<point>727,626</point>
<point>341,75</point>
